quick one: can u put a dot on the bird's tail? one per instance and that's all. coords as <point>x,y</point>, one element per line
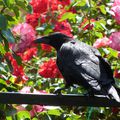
<point>113,92</point>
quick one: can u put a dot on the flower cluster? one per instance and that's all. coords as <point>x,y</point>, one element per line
<point>113,41</point>
<point>116,9</point>
<point>45,11</point>
<point>102,42</point>
<point>28,54</point>
<point>49,69</point>
<point>24,34</point>
<point>41,8</point>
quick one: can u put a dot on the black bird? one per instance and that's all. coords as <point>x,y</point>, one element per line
<point>81,64</point>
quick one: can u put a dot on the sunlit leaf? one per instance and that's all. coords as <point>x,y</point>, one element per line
<point>2,50</point>
<point>68,15</point>
<point>113,53</point>
<point>102,9</point>
<point>22,115</point>
<point>54,112</point>
<point>16,11</point>
<point>8,3</point>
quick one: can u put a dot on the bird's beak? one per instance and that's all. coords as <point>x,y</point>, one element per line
<point>43,40</point>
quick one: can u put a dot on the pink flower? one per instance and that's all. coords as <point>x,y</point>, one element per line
<point>35,108</point>
<point>115,41</point>
<point>24,34</point>
<point>116,2</point>
<point>101,42</point>
<point>116,10</point>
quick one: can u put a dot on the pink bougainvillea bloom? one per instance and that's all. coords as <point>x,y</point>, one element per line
<point>35,108</point>
<point>101,42</point>
<point>116,10</point>
<point>25,34</point>
<point>116,2</point>
<point>115,41</point>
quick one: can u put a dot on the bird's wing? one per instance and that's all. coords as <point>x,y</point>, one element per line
<point>78,63</point>
<point>104,63</point>
<point>82,63</point>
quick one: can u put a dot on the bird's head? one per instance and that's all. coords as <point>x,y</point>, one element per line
<point>55,39</point>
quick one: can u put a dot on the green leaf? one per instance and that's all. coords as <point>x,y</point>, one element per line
<point>68,15</point>
<point>10,111</point>
<point>8,35</point>
<point>9,118</point>
<point>2,82</point>
<point>113,53</point>
<point>98,34</point>
<point>9,65</point>
<point>102,9</point>
<point>54,112</point>
<point>80,3</point>
<point>9,18</point>
<point>2,50</point>
<point>35,119</point>
<point>100,25</point>
<point>16,11</point>
<point>22,4</point>
<point>3,22</point>
<point>30,9</point>
<point>6,47</point>
<point>8,3</point>
<point>23,115</point>
<point>18,58</point>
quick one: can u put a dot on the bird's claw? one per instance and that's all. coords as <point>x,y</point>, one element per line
<point>57,91</point>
